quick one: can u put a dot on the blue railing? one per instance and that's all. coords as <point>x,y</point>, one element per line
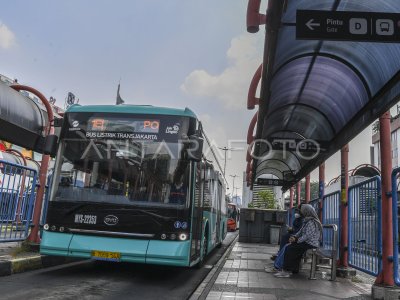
<point>395,216</point>
<point>17,196</point>
<point>331,215</point>
<point>365,226</point>
<point>290,216</point>
<point>315,203</point>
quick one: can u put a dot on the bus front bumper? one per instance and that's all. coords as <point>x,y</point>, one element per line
<point>171,253</point>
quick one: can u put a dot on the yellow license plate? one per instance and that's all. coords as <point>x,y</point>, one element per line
<point>106,255</point>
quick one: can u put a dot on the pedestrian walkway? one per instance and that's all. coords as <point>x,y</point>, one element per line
<point>243,277</point>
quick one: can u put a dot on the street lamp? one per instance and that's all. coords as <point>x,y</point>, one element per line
<point>226,149</point>
<point>233,184</point>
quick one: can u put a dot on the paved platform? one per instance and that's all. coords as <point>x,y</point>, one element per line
<point>243,277</point>
<point>18,257</point>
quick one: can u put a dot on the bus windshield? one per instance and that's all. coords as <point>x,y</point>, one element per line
<point>94,166</point>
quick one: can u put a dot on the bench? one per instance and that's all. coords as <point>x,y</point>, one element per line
<point>326,253</point>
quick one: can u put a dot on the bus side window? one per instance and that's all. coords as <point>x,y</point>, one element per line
<point>199,177</point>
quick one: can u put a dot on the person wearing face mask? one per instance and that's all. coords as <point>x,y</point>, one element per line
<point>308,237</point>
<point>297,223</point>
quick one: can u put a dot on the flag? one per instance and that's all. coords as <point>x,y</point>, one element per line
<point>119,99</point>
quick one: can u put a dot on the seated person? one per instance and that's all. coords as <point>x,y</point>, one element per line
<point>297,223</point>
<point>307,237</point>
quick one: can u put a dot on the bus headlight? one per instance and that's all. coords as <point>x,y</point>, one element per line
<point>61,229</point>
<point>163,236</point>
<point>46,227</point>
<point>53,228</point>
<point>183,236</point>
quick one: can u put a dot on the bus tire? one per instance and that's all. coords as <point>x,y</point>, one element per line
<point>203,253</point>
<point>219,245</point>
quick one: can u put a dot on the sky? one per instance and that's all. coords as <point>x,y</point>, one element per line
<point>185,53</point>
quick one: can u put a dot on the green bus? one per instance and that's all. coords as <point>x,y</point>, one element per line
<point>135,184</point>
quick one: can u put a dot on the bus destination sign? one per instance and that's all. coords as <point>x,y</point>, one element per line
<point>347,26</point>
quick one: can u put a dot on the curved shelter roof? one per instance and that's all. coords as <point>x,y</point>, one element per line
<point>327,91</point>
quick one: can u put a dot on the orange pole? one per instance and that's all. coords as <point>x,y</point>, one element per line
<point>308,189</point>
<point>34,235</point>
<point>298,191</point>
<point>386,276</point>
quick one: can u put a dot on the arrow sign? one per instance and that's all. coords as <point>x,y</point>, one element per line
<point>311,25</point>
<point>348,26</point>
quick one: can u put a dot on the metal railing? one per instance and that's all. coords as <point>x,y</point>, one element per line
<point>330,253</point>
<point>331,215</point>
<point>395,218</point>
<point>365,226</point>
<point>17,196</point>
<point>290,216</point>
<point>315,203</point>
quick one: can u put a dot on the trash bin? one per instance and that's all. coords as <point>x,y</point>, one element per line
<point>274,232</point>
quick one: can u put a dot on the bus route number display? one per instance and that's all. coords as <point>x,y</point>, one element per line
<point>115,125</point>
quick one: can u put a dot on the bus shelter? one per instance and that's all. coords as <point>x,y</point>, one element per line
<point>330,68</point>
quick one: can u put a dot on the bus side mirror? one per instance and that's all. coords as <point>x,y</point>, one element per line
<point>50,145</point>
<point>195,148</point>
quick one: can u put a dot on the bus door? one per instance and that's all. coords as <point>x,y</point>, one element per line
<point>218,199</point>
<point>197,218</point>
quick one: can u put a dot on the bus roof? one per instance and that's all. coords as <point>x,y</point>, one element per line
<point>133,109</point>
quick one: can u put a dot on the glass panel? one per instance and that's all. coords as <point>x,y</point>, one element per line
<point>122,171</point>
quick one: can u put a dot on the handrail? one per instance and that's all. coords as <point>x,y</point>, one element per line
<point>335,231</point>
<point>333,255</point>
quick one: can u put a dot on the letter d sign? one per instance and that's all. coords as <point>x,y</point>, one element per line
<point>358,26</point>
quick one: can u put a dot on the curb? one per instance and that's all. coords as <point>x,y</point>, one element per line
<point>30,263</point>
<point>205,286</point>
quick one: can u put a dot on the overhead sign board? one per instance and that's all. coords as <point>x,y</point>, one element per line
<point>273,182</point>
<point>299,145</point>
<point>348,26</point>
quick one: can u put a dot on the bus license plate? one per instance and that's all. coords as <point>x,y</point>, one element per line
<point>106,255</point>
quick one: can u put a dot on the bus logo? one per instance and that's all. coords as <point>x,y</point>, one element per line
<point>110,220</point>
<point>173,129</point>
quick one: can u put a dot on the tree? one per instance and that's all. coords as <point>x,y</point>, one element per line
<point>266,200</point>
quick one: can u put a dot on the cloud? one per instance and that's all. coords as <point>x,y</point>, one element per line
<point>231,86</point>
<point>7,37</point>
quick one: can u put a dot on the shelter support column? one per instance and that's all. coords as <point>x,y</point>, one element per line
<point>298,192</point>
<point>291,198</point>
<point>386,275</point>
<point>344,186</point>
<point>308,187</point>
<point>321,188</point>
<point>291,204</point>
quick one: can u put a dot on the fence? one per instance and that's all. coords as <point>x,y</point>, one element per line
<point>331,215</point>
<point>395,218</point>
<point>17,196</point>
<point>315,203</point>
<point>365,227</point>
<point>290,216</point>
